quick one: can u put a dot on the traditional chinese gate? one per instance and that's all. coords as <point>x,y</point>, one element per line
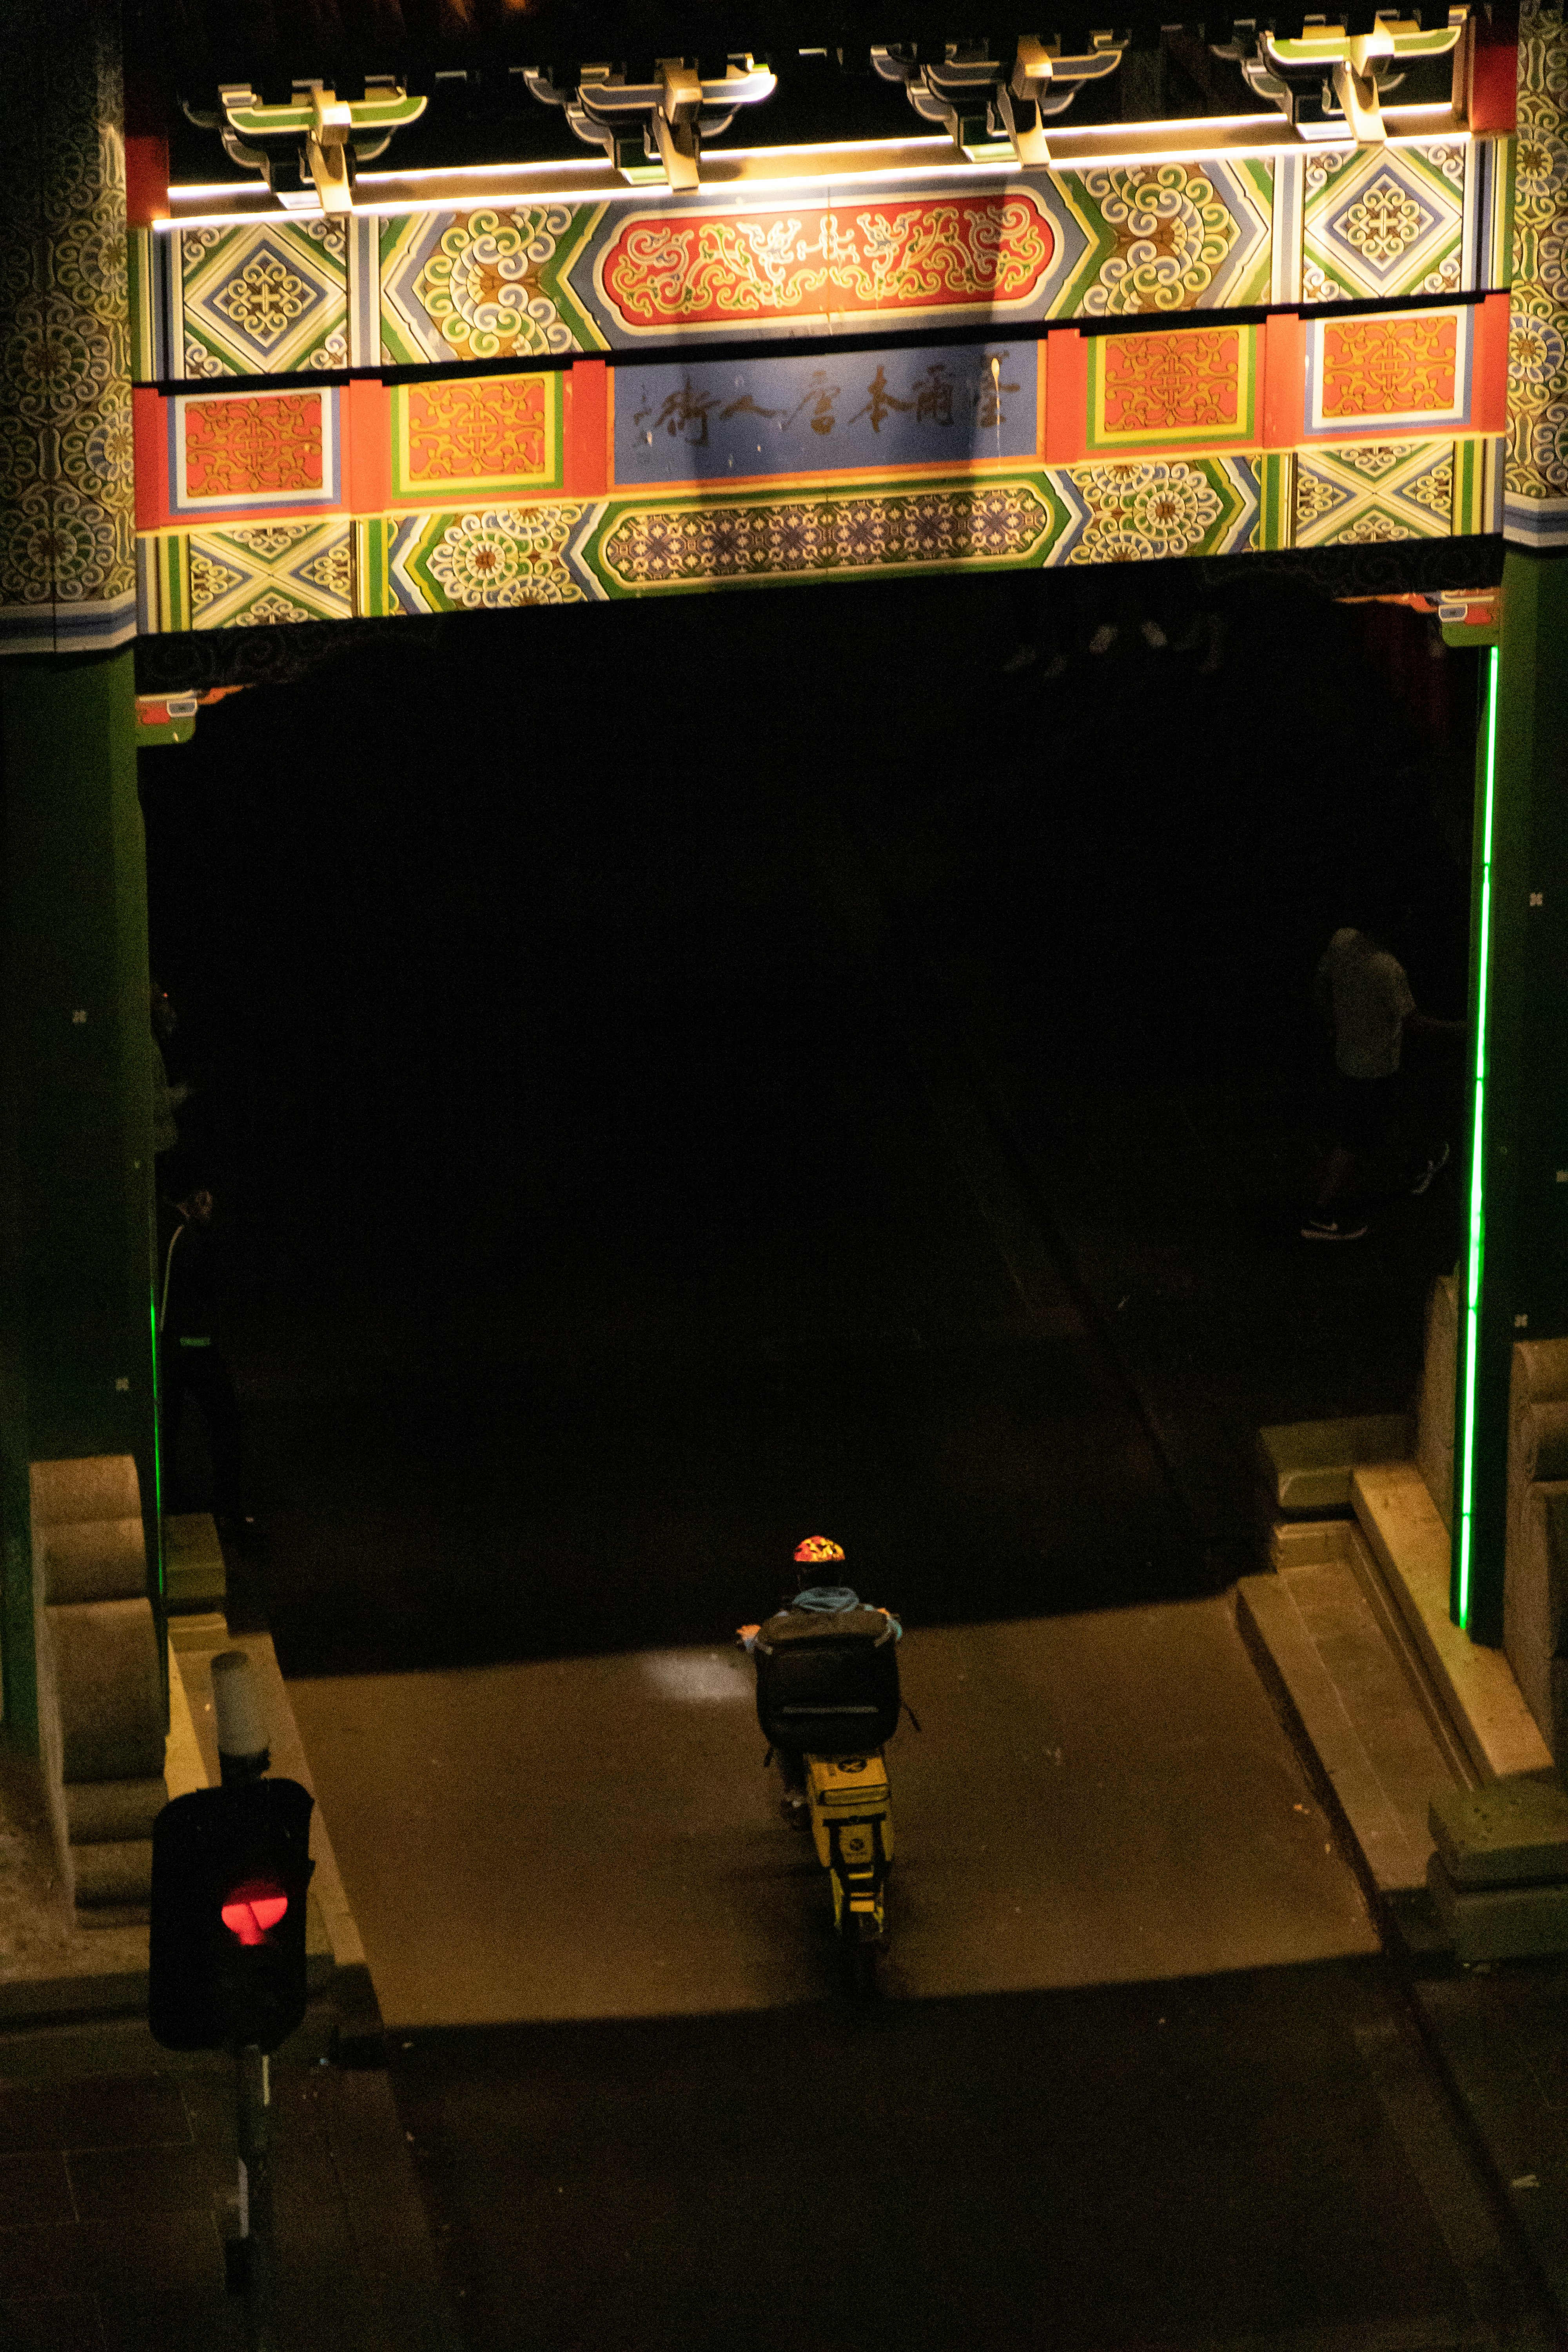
<point>332,394</point>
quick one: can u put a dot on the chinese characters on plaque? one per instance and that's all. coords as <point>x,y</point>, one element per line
<point>956,405</point>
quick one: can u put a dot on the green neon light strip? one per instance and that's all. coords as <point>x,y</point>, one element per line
<point>1476,1231</point>
<point>157,1438</point>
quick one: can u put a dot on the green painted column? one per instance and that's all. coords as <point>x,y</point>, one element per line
<point>77,1083</point>
<point>1513,1269</point>
<point>75,1158</point>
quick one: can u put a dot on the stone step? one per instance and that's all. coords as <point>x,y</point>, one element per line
<point>194,1574</point>
<point>1410,1544</point>
<point>1499,1923</point>
<point>1307,1465</point>
<point>1342,1689</point>
<point>1509,1833</point>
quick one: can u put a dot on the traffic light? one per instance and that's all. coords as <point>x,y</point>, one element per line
<point>230,1870</point>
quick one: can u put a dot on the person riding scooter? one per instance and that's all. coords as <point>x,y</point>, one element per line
<point>803,1615</point>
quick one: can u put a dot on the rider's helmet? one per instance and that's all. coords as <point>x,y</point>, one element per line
<point>816,1549</point>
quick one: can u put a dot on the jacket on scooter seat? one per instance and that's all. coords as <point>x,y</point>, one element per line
<point>827,1676</point>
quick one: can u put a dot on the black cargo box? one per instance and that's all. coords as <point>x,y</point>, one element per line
<point>828,1684</point>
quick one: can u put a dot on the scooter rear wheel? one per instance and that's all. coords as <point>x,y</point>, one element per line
<point>860,1969</point>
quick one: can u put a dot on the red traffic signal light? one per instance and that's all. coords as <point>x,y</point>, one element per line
<point>230,1870</point>
<point>253,1909</point>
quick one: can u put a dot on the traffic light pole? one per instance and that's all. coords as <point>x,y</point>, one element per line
<point>257,2247</point>
<point>227,1969</point>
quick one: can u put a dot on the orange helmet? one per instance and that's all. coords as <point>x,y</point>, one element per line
<point>817,1547</point>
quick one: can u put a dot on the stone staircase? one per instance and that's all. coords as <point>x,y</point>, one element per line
<point>100,1693</point>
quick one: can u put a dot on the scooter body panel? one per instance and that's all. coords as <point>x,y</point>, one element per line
<point>852,1829</point>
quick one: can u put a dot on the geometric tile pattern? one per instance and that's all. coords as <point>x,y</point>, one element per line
<point>1536,484</point>
<point>1407,368</point>
<point>237,450</point>
<point>68,576</point>
<point>1348,497</point>
<point>1382,223</point>
<point>1179,385</point>
<point>247,575</point>
<point>267,297</point>
<point>492,432</point>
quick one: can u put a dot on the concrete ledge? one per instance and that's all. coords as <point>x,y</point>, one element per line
<point>1500,1923</point>
<point>1308,1465</point>
<point>1308,1543</point>
<point>194,1573</point>
<point>1390,1855</point>
<point>1410,1544</point>
<point>1509,1833</point>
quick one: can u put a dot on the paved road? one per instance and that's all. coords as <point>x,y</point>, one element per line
<point>600,1236</point>
<point>1252,2160</point>
<point>1092,1798</point>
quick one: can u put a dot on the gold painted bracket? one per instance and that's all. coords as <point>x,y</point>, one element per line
<point>329,135</point>
<point>985,102</point>
<point>654,129</point>
<point>1329,83</point>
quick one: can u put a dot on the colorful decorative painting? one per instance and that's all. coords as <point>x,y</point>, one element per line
<point>487,555</point>
<point>707,272</point>
<point>1410,369</point>
<point>1380,490</point>
<point>490,285</point>
<point>488,432</point>
<point>261,299</point>
<point>969,404</point>
<point>502,556</point>
<point>1385,223</point>
<point>547,280</point>
<point>67,480</point>
<point>643,548</point>
<point>1171,236</point>
<point>240,450</point>
<point>247,575</point>
<point>1163,508</point>
<point>1180,386</point>
<point>1537,489</point>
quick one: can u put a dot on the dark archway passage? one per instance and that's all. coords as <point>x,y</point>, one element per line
<point>592,1225</point>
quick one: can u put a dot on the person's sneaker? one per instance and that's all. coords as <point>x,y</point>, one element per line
<point>1023,659</point>
<point>797,1811</point>
<point>1423,1176</point>
<point>1153,635</point>
<point>1104,637</point>
<point>1324,1229</point>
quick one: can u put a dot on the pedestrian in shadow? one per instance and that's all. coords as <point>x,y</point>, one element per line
<point>166,1098</point>
<point>1377,1113</point>
<point>1045,607</point>
<point>191,1362</point>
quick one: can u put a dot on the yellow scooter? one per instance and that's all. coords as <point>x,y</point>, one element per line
<point>852,1829</point>
<point>828,1691</point>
